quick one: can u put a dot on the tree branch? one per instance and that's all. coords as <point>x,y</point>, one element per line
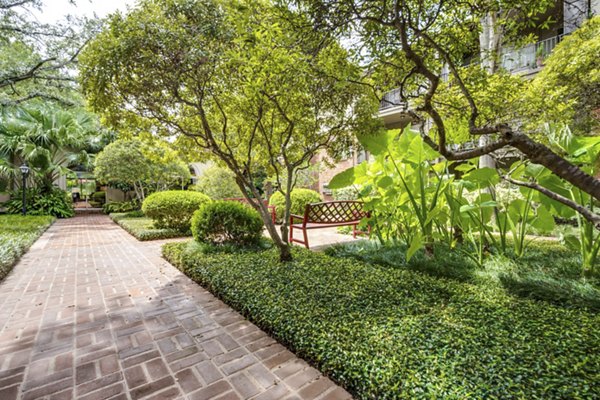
<point>583,211</point>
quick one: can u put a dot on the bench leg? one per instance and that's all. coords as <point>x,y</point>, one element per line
<point>304,231</point>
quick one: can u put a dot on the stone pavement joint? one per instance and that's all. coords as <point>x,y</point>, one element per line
<point>91,313</point>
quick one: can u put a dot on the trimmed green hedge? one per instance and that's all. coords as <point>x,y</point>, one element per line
<point>221,222</point>
<point>388,333</point>
<point>143,228</point>
<point>300,198</point>
<point>17,234</point>
<point>173,209</point>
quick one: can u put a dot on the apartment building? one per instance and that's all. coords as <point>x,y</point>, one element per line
<point>567,16</point>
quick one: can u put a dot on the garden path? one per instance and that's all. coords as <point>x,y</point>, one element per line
<point>91,313</point>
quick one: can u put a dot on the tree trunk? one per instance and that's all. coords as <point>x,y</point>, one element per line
<point>489,50</point>
<point>285,253</point>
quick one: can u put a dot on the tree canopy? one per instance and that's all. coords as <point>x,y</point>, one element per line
<point>144,166</point>
<point>248,81</point>
<point>38,59</point>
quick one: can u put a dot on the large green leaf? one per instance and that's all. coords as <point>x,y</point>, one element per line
<point>544,221</point>
<point>377,143</point>
<point>483,176</point>
<point>343,179</point>
<point>415,244</point>
<point>385,181</point>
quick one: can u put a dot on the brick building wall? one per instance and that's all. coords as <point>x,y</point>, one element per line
<point>327,172</point>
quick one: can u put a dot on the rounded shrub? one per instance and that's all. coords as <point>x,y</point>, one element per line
<point>173,209</point>
<point>300,198</point>
<point>227,222</point>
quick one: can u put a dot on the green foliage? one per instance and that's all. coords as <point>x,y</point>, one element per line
<point>57,203</point>
<point>567,90</point>
<point>227,222</point>
<point>403,188</point>
<point>255,86</point>
<point>144,166</point>
<point>347,193</point>
<point>173,209</point>
<point>548,271</point>
<point>388,333</point>
<point>218,183</point>
<point>143,228</point>
<point>17,234</point>
<point>117,216</point>
<point>120,207</point>
<point>38,58</point>
<point>582,151</point>
<point>99,196</point>
<point>299,199</point>
<point>48,139</point>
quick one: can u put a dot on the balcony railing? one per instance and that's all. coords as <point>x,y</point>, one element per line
<point>391,100</point>
<point>511,59</point>
<point>524,58</point>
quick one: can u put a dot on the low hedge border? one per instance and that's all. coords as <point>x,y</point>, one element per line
<point>395,334</point>
<point>17,234</point>
<point>142,228</point>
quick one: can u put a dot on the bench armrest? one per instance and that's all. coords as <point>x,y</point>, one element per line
<point>294,216</point>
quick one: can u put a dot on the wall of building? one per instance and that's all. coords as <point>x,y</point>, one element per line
<point>328,172</point>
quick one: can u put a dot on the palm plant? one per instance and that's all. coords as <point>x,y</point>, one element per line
<point>48,139</point>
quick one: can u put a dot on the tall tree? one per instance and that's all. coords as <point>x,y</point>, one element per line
<point>245,80</point>
<point>142,165</point>
<point>38,59</point>
<point>409,43</point>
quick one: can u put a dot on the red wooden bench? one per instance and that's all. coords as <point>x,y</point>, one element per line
<point>265,202</point>
<point>326,215</point>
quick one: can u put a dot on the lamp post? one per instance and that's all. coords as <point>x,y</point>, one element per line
<point>24,172</point>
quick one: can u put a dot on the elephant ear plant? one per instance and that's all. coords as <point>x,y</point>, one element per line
<point>403,188</point>
<point>563,199</point>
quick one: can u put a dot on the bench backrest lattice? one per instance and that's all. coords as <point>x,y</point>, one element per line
<point>335,212</point>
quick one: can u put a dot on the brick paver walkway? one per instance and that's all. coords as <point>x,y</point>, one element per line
<point>91,313</point>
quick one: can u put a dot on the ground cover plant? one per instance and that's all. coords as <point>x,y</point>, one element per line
<point>17,234</point>
<point>549,271</point>
<point>390,333</point>
<point>143,228</point>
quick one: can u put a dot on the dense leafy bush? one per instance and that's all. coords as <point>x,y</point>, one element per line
<point>227,222</point>
<point>347,193</point>
<point>173,209</point>
<point>120,206</point>
<point>17,233</point>
<point>100,197</point>
<point>388,333</point>
<point>57,203</point>
<point>217,183</point>
<point>300,198</point>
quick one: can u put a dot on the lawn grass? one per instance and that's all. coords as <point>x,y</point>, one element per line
<point>17,234</point>
<point>142,228</point>
<point>394,333</point>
